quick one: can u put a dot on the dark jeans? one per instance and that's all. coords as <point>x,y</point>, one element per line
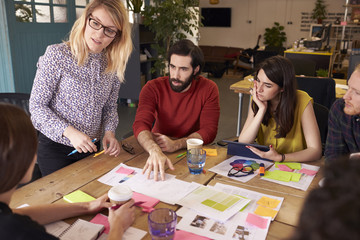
<point>53,156</point>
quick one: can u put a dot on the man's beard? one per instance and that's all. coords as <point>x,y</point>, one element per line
<point>182,87</point>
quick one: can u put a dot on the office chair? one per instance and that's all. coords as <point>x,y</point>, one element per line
<point>321,114</point>
<point>322,90</point>
<point>21,100</point>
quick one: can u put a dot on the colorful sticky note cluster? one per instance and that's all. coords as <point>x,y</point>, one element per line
<point>266,207</point>
<point>265,212</point>
<point>149,202</point>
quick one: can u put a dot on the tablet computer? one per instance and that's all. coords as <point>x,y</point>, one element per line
<point>240,149</point>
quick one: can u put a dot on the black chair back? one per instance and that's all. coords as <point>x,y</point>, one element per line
<point>321,114</point>
<point>322,90</point>
<point>19,99</point>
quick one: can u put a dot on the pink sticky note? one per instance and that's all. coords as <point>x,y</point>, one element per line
<point>308,171</point>
<point>149,202</point>
<point>103,220</point>
<point>123,170</point>
<point>283,167</point>
<point>183,235</point>
<point>257,220</point>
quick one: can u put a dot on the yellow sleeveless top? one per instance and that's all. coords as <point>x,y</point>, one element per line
<point>294,140</point>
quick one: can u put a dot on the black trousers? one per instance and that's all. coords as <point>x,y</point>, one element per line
<point>53,156</point>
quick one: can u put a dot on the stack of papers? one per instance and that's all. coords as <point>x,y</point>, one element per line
<point>251,222</point>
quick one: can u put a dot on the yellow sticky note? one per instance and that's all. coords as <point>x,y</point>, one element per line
<point>278,175</point>
<point>268,202</point>
<point>210,152</point>
<point>295,177</point>
<point>265,212</point>
<point>78,196</point>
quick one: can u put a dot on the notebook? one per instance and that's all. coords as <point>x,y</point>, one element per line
<point>78,196</point>
<point>82,230</point>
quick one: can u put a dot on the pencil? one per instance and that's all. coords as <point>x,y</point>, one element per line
<point>99,153</point>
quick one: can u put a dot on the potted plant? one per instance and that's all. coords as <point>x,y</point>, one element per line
<point>170,21</point>
<point>275,36</point>
<point>135,6</point>
<point>319,12</point>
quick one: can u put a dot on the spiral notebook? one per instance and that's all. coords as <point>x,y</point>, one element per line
<point>82,230</point>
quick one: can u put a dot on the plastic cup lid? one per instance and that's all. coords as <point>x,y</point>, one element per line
<point>120,193</point>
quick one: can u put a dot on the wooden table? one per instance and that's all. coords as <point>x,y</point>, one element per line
<point>84,174</point>
<point>243,87</point>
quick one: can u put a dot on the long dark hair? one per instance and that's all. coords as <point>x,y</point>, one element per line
<point>280,71</point>
<point>18,145</point>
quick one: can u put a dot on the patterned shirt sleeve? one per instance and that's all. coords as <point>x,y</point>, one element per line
<point>46,80</point>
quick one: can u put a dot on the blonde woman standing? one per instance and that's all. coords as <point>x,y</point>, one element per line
<point>73,101</point>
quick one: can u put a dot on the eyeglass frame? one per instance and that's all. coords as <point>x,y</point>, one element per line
<point>117,33</point>
<point>242,170</point>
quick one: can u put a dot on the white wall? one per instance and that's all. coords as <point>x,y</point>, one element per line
<point>262,14</point>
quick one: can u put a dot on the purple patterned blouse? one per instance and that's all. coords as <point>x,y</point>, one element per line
<point>65,94</point>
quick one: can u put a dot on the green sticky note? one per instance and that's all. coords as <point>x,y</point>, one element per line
<point>295,177</point>
<point>278,175</point>
<point>78,196</point>
<point>291,165</point>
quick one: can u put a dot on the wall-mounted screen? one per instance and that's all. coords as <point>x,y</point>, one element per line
<point>216,17</point>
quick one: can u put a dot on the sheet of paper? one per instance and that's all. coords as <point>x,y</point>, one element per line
<point>224,167</point>
<point>213,203</point>
<point>235,228</point>
<point>257,198</point>
<point>169,191</point>
<point>304,181</point>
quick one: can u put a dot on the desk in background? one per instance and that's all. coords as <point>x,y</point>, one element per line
<point>307,63</point>
<point>243,87</point>
<point>84,174</point>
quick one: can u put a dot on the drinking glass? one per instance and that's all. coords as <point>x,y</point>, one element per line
<point>196,160</point>
<point>162,224</point>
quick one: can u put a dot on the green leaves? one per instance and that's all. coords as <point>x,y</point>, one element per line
<point>275,36</point>
<point>169,20</point>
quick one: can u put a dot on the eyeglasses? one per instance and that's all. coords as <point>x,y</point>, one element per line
<point>242,168</point>
<point>109,32</point>
<point>241,172</point>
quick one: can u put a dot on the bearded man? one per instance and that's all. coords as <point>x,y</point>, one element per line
<point>344,122</point>
<point>176,107</point>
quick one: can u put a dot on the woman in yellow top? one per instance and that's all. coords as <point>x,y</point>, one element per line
<point>280,116</point>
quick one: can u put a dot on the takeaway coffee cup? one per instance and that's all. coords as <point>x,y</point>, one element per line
<point>194,143</point>
<point>120,194</point>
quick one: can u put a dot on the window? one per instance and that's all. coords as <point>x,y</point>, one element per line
<point>41,11</point>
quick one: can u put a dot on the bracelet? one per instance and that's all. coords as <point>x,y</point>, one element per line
<point>282,157</point>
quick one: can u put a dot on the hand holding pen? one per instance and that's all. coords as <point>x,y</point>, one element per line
<point>75,151</point>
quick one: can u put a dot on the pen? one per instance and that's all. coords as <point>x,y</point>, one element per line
<point>74,151</point>
<point>99,153</point>
<point>181,154</point>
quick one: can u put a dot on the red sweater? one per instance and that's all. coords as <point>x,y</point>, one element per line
<point>177,115</point>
